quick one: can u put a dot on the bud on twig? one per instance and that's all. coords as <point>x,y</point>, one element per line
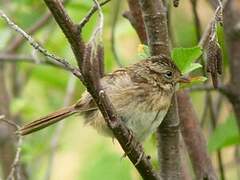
<point>214,61</point>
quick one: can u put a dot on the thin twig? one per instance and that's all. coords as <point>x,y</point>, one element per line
<point>214,119</point>
<point>97,34</point>
<point>113,38</point>
<point>17,41</point>
<point>205,87</point>
<point>136,19</point>
<point>205,110</point>
<point>90,13</point>
<point>16,161</point>
<point>39,48</point>
<point>22,58</point>
<point>196,19</point>
<point>14,170</point>
<point>208,31</point>
<point>214,113</point>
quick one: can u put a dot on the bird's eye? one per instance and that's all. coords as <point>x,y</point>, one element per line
<point>168,74</point>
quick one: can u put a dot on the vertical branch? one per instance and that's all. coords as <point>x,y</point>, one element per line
<point>89,66</point>
<point>194,140</point>
<point>214,119</point>
<point>231,14</point>
<point>136,19</point>
<point>208,96</point>
<point>190,128</point>
<point>169,148</point>
<point>231,26</point>
<point>116,10</point>
<point>68,27</point>
<point>8,147</point>
<point>6,140</point>
<point>196,19</point>
<point>155,20</point>
<point>14,172</point>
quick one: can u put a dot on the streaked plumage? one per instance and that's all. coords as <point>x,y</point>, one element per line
<point>140,93</point>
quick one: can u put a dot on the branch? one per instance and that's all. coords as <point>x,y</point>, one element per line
<point>214,117</point>
<point>135,17</point>
<point>68,27</point>
<point>169,144</point>
<point>231,21</point>
<point>155,19</point>
<point>209,30</point>
<point>91,80</point>
<point>39,48</point>
<point>14,172</point>
<point>21,58</point>
<point>15,44</point>
<point>208,87</point>
<point>116,10</point>
<point>194,139</point>
<point>6,139</point>
<point>154,15</point>
<point>85,20</point>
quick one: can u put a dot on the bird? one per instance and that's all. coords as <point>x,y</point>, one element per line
<point>141,93</point>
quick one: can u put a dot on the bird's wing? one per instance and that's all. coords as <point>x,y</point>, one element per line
<point>112,84</point>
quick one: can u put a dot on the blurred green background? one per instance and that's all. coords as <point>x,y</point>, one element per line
<point>81,153</point>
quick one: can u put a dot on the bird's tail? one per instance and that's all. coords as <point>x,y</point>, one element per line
<point>47,120</point>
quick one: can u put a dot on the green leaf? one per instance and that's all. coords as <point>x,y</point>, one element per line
<point>192,67</point>
<point>224,135</point>
<point>184,58</point>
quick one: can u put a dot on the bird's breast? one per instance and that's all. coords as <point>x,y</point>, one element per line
<point>143,112</point>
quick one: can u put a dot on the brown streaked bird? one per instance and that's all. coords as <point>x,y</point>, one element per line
<point>140,93</point>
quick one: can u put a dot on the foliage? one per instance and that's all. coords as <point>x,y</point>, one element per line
<point>225,135</point>
<point>184,58</point>
<point>102,163</point>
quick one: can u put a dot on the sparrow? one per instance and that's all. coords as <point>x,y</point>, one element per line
<point>141,94</point>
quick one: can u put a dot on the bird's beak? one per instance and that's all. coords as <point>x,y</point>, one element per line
<point>184,79</point>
